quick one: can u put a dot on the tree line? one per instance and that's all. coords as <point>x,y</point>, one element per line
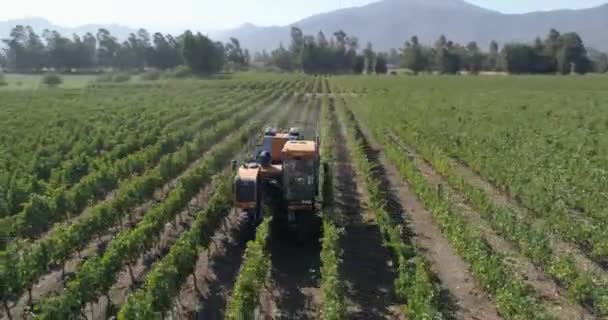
<point>26,51</point>
<point>338,53</point>
<point>557,53</point>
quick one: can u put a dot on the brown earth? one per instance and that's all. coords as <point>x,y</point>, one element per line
<point>462,297</point>
<point>366,269</point>
<point>549,293</point>
<point>53,283</point>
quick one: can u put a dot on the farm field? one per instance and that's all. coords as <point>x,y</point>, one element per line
<point>440,198</point>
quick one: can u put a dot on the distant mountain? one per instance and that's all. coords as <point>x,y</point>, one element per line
<point>39,24</point>
<point>389,23</point>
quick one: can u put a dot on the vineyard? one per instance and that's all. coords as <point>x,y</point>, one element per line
<point>440,198</point>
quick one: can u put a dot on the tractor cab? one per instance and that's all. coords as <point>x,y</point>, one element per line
<point>283,174</point>
<point>247,189</point>
<point>300,174</point>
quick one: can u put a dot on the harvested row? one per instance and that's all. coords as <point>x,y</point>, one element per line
<point>460,297</point>
<point>102,218</point>
<point>366,277</point>
<point>293,288</point>
<point>513,297</point>
<point>97,275</point>
<point>413,284</point>
<point>333,306</point>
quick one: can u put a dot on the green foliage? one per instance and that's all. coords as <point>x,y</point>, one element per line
<point>413,284</point>
<point>121,77</point>
<point>104,78</point>
<point>180,72</point>
<point>164,281</point>
<point>563,53</point>
<point>359,65</point>
<point>51,80</point>
<point>172,155</point>
<point>334,307</point>
<point>414,57</point>
<point>317,55</point>
<point>524,146</point>
<point>3,81</point>
<point>252,276</point>
<point>380,66</point>
<point>202,55</point>
<point>96,276</point>
<point>151,75</point>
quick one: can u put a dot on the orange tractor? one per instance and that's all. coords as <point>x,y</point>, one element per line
<point>283,176</point>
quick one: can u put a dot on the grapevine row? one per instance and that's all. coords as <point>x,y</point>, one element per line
<point>164,281</point>
<point>532,241</point>
<point>42,212</point>
<point>144,129</point>
<point>513,297</point>
<point>32,260</point>
<point>98,274</point>
<point>156,298</point>
<point>333,307</point>
<point>413,283</point>
<point>252,276</point>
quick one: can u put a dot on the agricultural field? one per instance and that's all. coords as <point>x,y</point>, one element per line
<point>440,198</point>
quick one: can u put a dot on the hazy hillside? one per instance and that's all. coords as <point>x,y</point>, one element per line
<point>389,23</point>
<point>39,24</point>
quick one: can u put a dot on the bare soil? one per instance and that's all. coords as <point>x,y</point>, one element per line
<point>293,291</point>
<point>366,268</point>
<point>502,199</point>
<point>461,297</point>
<point>216,271</point>
<point>549,293</point>
<point>53,284</point>
<point>206,295</point>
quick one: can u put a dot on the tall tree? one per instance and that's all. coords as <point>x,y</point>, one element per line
<point>474,58</point>
<point>518,58</point>
<point>370,58</point>
<point>493,56</point>
<point>381,67</point>
<point>296,46</point>
<point>202,55</point>
<point>359,64</point>
<point>282,58</point>
<point>572,55</point>
<point>413,56</point>
<point>447,60</point>
<point>235,55</point>
<point>107,48</point>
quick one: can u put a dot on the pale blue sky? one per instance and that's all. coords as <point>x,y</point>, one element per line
<point>175,15</point>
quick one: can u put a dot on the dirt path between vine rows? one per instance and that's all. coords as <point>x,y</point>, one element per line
<point>124,284</point>
<point>52,283</point>
<point>550,294</point>
<point>502,199</point>
<point>366,268</point>
<point>293,291</point>
<point>462,297</point>
<point>218,266</point>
